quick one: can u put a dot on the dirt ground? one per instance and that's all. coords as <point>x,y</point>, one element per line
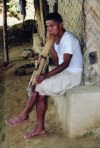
<point>15,97</point>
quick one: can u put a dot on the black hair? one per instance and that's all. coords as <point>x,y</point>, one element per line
<point>54,16</point>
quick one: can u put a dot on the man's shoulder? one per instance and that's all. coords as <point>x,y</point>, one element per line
<point>70,38</point>
<point>70,35</point>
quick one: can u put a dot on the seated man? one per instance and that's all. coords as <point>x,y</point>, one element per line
<point>66,52</point>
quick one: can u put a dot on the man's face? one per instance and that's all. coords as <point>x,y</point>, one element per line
<point>53,27</point>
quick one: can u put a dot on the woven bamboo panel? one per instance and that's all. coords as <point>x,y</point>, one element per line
<point>71,11</point>
<point>40,21</point>
<point>92,27</point>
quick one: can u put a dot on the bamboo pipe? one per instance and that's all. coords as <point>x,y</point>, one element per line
<point>42,61</point>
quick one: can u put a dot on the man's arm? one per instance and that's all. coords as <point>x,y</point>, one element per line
<point>67,58</point>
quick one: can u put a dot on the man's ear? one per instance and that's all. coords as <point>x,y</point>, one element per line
<point>61,25</point>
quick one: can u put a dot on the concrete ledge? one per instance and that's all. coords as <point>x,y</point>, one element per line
<point>79,110</point>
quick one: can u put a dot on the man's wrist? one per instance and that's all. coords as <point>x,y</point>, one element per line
<point>45,76</point>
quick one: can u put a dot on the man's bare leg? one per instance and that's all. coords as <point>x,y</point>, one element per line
<point>40,110</point>
<point>24,115</point>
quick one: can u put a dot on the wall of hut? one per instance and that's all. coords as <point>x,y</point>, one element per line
<point>81,17</point>
<point>92,53</point>
<point>39,18</point>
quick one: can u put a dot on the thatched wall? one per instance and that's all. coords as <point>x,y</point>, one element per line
<point>72,14</point>
<point>92,26</point>
<point>39,18</point>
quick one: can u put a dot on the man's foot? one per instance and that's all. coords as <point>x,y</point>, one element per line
<point>20,119</point>
<point>34,132</point>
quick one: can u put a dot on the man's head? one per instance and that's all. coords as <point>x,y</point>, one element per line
<point>54,16</point>
<point>54,24</point>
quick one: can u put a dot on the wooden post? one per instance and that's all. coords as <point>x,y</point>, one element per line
<point>6,57</point>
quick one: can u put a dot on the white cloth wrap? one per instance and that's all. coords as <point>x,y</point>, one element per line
<point>58,84</point>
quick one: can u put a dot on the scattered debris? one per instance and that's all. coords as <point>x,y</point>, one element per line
<point>28,53</point>
<point>25,69</point>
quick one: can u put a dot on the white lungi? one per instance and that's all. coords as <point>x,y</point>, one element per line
<point>58,84</point>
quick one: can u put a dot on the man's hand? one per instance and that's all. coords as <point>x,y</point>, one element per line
<point>51,37</point>
<point>39,78</point>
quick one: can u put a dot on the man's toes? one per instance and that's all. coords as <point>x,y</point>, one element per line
<point>33,134</point>
<point>15,122</point>
<point>8,123</point>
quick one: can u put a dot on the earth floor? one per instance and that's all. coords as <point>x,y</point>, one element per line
<point>14,99</point>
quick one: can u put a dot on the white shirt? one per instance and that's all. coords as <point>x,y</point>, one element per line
<point>70,44</point>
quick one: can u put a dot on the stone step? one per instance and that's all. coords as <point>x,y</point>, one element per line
<point>79,110</point>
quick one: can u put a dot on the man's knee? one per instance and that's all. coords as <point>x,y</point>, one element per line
<point>42,98</point>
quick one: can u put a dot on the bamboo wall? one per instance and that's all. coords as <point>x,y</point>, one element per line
<point>92,29</point>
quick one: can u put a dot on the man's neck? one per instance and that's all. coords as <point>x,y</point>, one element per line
<point>59,36</point>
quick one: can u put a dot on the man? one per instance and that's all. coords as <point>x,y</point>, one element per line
<point>66,53</point>
<point>22,8</point>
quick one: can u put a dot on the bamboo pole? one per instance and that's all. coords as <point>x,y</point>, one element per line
<point>42,62</point>
<point>6,56</point>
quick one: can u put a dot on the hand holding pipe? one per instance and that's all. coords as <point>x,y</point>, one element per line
<point>43,59</point>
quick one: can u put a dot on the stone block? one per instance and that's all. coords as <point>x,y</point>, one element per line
<point>79,110</point>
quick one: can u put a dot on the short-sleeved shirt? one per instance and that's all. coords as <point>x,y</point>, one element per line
<point>70,44</point>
